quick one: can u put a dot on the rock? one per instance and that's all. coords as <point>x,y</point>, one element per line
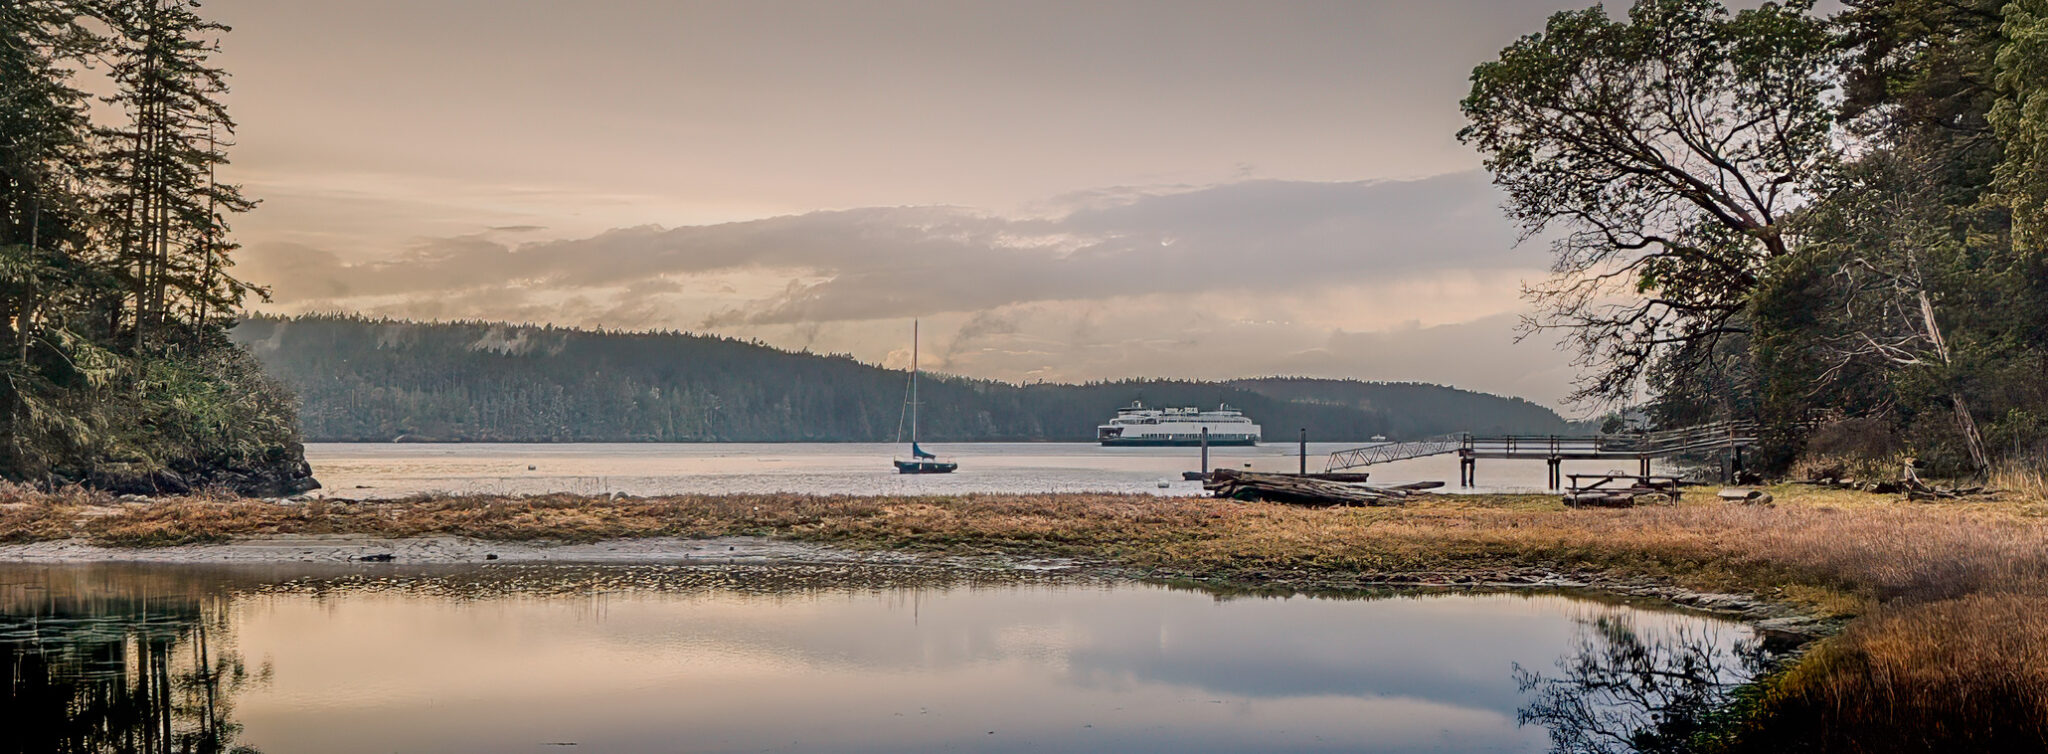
<point>129,479</point>
<point>1791,631</point>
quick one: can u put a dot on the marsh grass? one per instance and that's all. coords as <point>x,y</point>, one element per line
<point>1968,674</point>
<point>28,515</point>
<point>1815,466</point>
<point>1822,541</point>
<point>2025,479</point>
<point>1950,648</point>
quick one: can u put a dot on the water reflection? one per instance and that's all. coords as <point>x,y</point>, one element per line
<point>99,666</point>
<point>1625,689</point>
<point>751,658</point>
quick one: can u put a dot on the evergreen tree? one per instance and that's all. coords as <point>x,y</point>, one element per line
<point>116,370</point>
<point>45,281</point>
<point>171,249</point>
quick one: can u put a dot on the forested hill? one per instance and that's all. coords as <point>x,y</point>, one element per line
<point>371,380</point>
<point>1416,408</point>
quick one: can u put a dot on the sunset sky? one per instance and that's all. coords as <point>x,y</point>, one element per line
<point>1061,190</point>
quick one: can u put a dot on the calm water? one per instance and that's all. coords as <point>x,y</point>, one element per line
<point>396,469</point>
<point>782,658</point>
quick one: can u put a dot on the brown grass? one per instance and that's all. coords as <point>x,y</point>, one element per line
<point>1953,645</point>
<point>1844,541</point>
<point>2022,479</point>
<point>1963,674</point>
<point>27,515</point>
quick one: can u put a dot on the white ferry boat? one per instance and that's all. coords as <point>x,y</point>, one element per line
<point>1138,425</point>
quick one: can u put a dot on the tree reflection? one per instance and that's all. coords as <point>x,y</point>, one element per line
<point>118,675</point>
<point>1622,690</point>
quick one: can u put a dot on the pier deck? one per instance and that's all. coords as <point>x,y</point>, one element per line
<point>1730,437</point>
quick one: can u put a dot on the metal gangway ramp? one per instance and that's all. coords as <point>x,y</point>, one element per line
<point>1395,451</point>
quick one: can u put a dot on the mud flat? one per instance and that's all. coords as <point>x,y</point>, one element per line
<point>326,548</point>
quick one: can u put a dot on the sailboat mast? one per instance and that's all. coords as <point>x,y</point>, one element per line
<point>913,383</point>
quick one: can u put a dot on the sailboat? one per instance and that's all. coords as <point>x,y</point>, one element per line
<point>920,462</point>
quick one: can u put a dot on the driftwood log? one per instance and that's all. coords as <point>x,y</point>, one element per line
<point>1307,490</point>
<point>1628,497</point>
<point>1746,496</point>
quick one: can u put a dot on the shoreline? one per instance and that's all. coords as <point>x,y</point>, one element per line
<point>1785,624</point>
<point>1878,608</point>
<point>436,550</point>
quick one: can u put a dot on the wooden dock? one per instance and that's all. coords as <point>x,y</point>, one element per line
<point>1554,450</point>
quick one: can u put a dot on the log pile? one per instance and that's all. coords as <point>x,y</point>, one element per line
<point>1875,488</point>
<point>1913,488</point>
<point>1307,490</point>
<point>1909,483</point>
<point>1922,491</point>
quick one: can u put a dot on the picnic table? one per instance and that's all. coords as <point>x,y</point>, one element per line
<point>1608,490</point>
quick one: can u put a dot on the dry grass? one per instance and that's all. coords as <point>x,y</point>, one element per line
<point>27,515</point>
<point>1813,466</point>
<point>1826,540</point>
<point>1963,674</point>
<point>2025,480</point>
<point>1952,651</point>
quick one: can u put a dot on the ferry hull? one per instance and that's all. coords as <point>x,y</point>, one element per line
<point>1160,442</point>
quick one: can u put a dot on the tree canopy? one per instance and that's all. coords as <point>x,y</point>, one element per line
<point>114,248</point>
<point>1767,213</point>
<point>1662,155</point>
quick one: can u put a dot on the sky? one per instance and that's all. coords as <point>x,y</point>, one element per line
<point>1060,191</point>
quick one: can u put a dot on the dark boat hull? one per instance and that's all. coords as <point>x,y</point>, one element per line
<point>926,467</point>
<point>1151,443</point>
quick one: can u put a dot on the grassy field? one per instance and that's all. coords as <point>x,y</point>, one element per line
<point>1949,647</point>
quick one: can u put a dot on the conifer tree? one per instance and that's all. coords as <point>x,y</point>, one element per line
<point>44,159</point>
<point>170,248</point>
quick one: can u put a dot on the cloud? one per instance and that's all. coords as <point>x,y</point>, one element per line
<point>1257,237</point>
<point>1232,280</point>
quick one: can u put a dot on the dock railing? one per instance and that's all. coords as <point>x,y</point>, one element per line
<point>1395,451</point>
<point>1702,438</point>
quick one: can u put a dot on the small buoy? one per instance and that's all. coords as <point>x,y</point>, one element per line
<point>1163,484</point>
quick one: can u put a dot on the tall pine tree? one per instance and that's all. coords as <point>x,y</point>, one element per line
<point>170,244</point>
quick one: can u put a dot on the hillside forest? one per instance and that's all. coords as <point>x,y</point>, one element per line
<point>379,380</point>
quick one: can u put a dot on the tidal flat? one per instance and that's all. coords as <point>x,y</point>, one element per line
<point>1942,608</point>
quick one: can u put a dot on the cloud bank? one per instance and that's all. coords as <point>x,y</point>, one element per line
<point>1236,279</point>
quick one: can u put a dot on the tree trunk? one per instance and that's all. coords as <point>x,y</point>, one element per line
<point>1965,423</point>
